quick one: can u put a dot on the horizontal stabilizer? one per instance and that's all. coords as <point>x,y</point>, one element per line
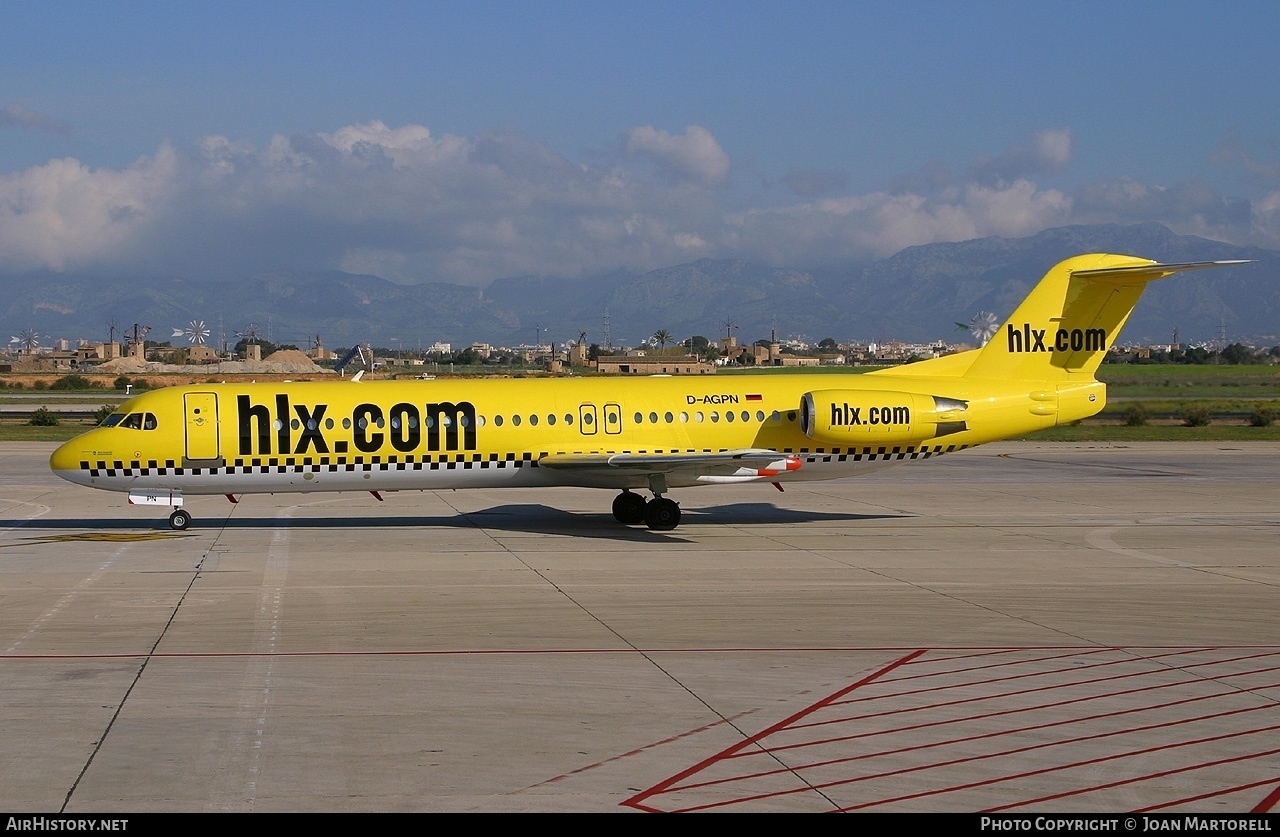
<point>1148,272</point>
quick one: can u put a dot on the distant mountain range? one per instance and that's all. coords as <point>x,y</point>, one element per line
<point>918,294</point>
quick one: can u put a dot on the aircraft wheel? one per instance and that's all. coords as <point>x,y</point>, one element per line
<point>629,508</point>
<point>662,514</point>
<point>179,520</point>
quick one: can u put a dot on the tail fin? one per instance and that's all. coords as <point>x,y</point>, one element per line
<point>1069,321</point>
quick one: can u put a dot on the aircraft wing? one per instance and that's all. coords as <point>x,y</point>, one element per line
<point>619,468</point>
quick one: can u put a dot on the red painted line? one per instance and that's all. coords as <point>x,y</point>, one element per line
<point>1210,795</point>
<point>1122,782</point>
<point>1062,742</point>
<point>662,786</point>
<point>821,649</point>
<point>638,750</point>
<point>141,655</point>
<point>1016,693</point>
<point>1069,669</point>
<point>1014,662</point>
<point>1024,709</point>
<point>1268,802</point>
<point>1011,731</point>
<point>885,676</point>
<point>1029,660</point>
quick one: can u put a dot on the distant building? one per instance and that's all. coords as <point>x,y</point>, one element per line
<point>659,365</point>
<point>321,353</point>
<point>199,353</point>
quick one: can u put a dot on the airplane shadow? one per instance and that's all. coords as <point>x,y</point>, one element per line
<point>525,518</point>
<point>744,514</point>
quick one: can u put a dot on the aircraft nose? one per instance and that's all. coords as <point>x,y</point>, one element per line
<point>66,459</point>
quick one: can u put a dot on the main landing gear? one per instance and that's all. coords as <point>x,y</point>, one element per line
<point>659,514</point>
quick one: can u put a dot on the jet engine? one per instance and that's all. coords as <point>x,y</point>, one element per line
<point>856,417</point>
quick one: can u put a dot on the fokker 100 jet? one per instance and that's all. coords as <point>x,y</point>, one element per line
<point>627,434</point>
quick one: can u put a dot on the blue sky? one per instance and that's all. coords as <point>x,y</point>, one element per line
<point>463,142</point>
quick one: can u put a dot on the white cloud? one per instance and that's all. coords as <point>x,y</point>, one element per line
<point>1049,153</point>
<point>16,116</point>
<point>695,154</point>
<point>412,207</point>
<point>881,223</point>
<point>64,215</point>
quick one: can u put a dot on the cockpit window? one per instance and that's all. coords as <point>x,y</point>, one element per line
<point>139,421</point>
<point>112,420</point>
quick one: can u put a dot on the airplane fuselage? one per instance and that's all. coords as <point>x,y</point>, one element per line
<point>389,435</point>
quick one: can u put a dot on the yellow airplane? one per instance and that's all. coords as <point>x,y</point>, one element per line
<point>655,433</point>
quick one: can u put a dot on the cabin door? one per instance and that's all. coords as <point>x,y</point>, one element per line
<point>202,425</point>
